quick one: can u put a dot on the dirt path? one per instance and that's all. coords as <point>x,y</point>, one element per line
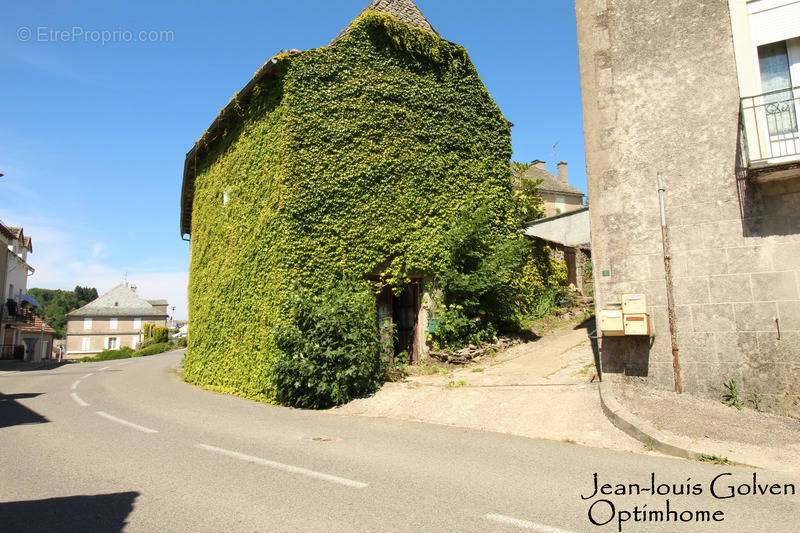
<point>540,389</point>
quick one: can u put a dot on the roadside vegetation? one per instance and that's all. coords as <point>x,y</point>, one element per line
<point>56,303</point>
<point>156,340</point>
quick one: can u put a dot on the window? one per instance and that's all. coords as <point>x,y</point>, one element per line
<point>560,205</point>
<point>87,323</point>
<point>86,344</point>
<point>137,323</point>
<point>112,343</point>
<point>776,84</point>
<point>113,323</point>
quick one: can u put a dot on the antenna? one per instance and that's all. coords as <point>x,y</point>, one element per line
<point>125,278</point>
<point>555,150</point>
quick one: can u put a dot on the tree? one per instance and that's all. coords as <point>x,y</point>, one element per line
<point>56,303</point>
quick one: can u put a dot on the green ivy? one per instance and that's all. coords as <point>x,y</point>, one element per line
<point>330,353</point>
<point>348,160</point>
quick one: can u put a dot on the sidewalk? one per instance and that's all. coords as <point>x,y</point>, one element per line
<point>542,389</point>
<point>687,426</point>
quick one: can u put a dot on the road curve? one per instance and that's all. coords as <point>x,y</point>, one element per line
<point>126,445</point>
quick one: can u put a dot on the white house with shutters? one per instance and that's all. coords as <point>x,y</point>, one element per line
<point>112,321</point>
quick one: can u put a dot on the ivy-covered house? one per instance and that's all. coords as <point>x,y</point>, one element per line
<point>348,160</point>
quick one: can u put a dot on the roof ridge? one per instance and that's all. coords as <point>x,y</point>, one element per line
<point>404,10</point>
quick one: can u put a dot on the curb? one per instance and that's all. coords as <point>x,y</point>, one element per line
<point>664,442</point>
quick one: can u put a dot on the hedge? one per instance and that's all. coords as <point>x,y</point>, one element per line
<point>348,160</point>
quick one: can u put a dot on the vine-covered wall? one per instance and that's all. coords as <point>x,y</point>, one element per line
<point>352,159</point>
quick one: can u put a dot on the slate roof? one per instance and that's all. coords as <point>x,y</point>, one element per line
<point>119,301</point>
<point>550,182</point>
<point>404,10</point>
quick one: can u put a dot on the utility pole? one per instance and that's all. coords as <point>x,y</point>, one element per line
<point>676,365</point>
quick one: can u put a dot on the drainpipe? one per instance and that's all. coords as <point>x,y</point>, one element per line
<point>676,365</point>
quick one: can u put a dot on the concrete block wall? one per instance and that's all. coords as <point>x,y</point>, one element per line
<point>660,95</point>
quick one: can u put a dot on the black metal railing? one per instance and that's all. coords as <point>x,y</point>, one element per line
<point>12,313</point>
<point>12,351</point>
<point>769,125</point>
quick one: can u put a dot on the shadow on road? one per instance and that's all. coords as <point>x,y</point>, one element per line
<point>24,366</point>
<point>100,512</point>
<point>590,326</point>
<point>13,413</point>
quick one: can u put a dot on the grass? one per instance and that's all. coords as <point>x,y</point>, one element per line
<point>715,459</point>
<point>649,445</point>
<point>455,385</point>
<point>586,369</point>
<point>478,369</point>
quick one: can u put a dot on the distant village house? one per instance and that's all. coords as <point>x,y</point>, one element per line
<point>112,321</point>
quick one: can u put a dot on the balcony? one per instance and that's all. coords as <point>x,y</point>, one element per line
<point>769,127</point>
<point>13,314</point>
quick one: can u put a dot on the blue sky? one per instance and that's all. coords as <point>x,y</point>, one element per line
<point>93,134</point>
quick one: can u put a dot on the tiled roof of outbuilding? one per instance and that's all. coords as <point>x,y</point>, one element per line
<point>36,327</point>
<point>405,10</point>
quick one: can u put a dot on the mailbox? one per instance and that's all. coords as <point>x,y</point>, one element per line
<point>637,324</point>
<point>611,323</point>
<point>634,304</point>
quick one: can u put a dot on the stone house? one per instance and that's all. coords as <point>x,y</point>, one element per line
<point>704,96</point>
<point>558,195</point>
<point>112,321</point>
<point>277,193</point>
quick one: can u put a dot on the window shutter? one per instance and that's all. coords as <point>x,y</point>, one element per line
<point>105,343</point>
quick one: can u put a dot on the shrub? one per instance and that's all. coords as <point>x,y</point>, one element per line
<point>479,297</point>
<point>153,349</point>
<point>330,351</point>
<point>109,355</point>
<point>542,283</point>
<point>160,334</point>
<point>180,342</point>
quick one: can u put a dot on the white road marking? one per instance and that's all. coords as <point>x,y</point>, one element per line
<point>75,385</point>
<point>125,422</point>
<point>105,368</point>
<point>78,400</point>
<point>286,468</point>
<point>524,524</point>
<point>87,375</point>
<point>125,363</point>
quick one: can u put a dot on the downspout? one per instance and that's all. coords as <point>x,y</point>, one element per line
<point>676,365</point>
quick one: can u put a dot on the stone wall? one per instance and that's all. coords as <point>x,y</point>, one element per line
<point>660,95</point>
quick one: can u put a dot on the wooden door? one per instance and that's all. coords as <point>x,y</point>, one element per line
<point>572,270</point>
<point>405,310</point>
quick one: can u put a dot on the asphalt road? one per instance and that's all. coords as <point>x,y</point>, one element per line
<point>125,445</point>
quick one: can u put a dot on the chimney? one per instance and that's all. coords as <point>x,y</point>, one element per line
<point>540,164</point>
<point>562,172</point>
